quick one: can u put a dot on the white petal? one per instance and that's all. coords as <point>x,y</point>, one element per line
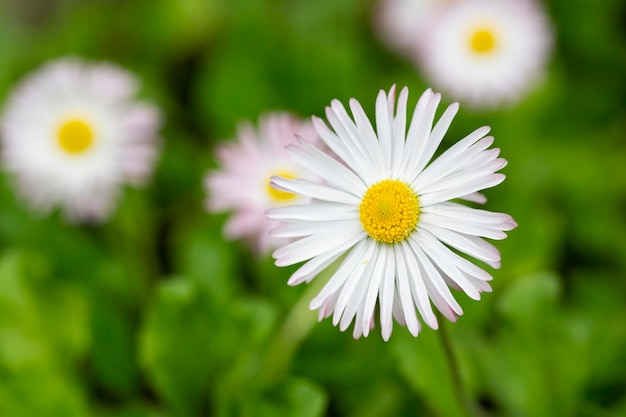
<point>436,136</point>
<point>464,177</point>
<point>352,295</point>
<point>313,190</point>
<point>470,245</point>
<point>417,278</point>
<point>446,261</point>
<point>360,276</point>
<point>404,292</point>
<point>460,212</point>
<point>423,137</point>
<point>383,129</point>
<point>353,264</point>
<point>432,276</point>
<point>345,128</point>
<point>300,229</point>
<point>378,273</point>
<point>399,134</point>
<point>315,211</point>
<point>310,246</point>
<point>319,163</point>
<point>368,137</point>
<point>462,189</point>
<point>314,266</point>
<point>387,294</point>
<point>439,167</point>
<point>343,150</point>
<point>463,226</point>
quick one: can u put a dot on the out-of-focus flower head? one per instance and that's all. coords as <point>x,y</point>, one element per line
<point>402,24</point>
<point>73,133</point>
<point>482,52</point>
<point>242,183</point>
<point>391,215</point>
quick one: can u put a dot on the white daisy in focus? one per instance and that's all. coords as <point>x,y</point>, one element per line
<point>72,133</point>
<point>391,215</point>
<point>242,184</point>
<point>487,52</point>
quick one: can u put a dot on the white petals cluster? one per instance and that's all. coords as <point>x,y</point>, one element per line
<point>410,276</point>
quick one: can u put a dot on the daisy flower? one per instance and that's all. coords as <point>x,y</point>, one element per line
<point>242,184</point>
<point>487,52</point>
<point>390,217</point>
<point>72,134</point>
<point>402,24</point>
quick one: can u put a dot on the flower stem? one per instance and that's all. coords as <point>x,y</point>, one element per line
<point>294,330</point>
<point>469,406</point>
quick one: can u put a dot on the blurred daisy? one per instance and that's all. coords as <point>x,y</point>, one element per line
<point>403,24</point>
<point>243,182</point>
<point>72,134</point>
<point>389,216</point>
<point>487,52</point>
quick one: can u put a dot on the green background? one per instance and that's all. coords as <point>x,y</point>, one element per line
<point>153,314</point>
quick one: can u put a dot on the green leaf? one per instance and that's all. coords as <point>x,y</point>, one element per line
<point>40,342</point>
<point>422,362</point>
<point>193,345</point>
<point>295,397</point>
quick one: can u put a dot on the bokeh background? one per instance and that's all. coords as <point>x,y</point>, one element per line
<point>154,314</point>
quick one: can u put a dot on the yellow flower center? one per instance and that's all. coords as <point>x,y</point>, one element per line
<point>389,211</point>
<point>75,136</point>
<point>278,195</point>
<point>483,41</point>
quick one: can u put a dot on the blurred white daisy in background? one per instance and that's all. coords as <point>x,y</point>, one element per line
<point>482,52</point>
<point>72,134</point>
<point>488,52</point>
<point>402,24</point>
<point>242,183</point>
<point>391,215</point>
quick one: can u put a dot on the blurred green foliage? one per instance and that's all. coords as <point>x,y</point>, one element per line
<point>154,315</point>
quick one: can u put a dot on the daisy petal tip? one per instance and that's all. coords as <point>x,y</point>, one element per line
<point>414,330</point>
<point>280,261</point>
<point>433,324</point>
<point>343,325</point>
<point>315,303</point>
<point>483,130</point>
<point>294,280</point>
<point>386,333</point>
<point>318,123</point>
<point>474,295</point>
<point>358,333</point>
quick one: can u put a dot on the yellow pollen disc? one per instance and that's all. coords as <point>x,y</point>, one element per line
<point>279,195</point>
<point>483,41</point>
<point>75,136</point>
<point>389,211</point>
